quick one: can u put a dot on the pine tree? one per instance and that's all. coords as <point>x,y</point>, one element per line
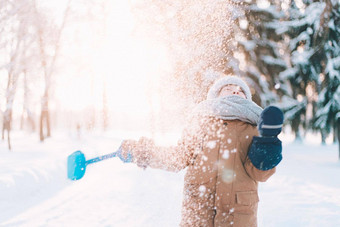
<point>259,48</point>
<point>290,51</point>
<point>301,78</point>
<point>327,61</point>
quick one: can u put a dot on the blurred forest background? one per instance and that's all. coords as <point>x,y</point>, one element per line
<point>81,65</point>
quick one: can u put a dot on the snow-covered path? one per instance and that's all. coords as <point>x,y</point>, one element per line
<point>109,195</point>
<point>34,190</point>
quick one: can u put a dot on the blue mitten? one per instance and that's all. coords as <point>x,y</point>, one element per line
<point>266,150</point>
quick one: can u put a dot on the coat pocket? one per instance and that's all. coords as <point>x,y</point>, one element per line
<point>247,198</point>
<point>246,203</point>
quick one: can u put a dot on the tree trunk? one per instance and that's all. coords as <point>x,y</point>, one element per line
<point>7,119</point>
<point>3,128</point>
<point>41,127</point>
<point>295,128</point>
<point>44,125</point>
<point>27,117</point>
<point>44,118</point>
<point>9,139</point>
<point>26,114</point>
<point>105,113</point>
<point>22,119</point>
<point>6,126</point>
<point>323,137</point>
<point>48,67</point>
<point>338,133</point>
<point>48,124</point>
<point>335,133</point>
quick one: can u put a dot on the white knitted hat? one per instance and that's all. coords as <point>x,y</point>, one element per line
<point>224,81</point>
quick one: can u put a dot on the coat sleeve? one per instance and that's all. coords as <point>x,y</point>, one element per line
<point>169,158</point>
<point>256,174</point>
<point>178,157</point>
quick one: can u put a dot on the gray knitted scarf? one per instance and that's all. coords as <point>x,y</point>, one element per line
<point>230,108</point>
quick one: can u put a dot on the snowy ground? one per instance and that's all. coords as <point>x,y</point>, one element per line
<point>34,190</point>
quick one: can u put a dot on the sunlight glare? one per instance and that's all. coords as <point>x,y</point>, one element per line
<point>125,64</point>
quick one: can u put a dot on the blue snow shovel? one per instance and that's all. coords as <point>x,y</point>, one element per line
<point>76,162</point>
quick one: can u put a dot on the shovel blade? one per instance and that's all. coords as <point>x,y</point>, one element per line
<point>76,165</point>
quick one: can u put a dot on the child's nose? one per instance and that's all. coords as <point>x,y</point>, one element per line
<point>235,92</point>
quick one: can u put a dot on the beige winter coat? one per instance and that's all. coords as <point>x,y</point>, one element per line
<point>220,183</point>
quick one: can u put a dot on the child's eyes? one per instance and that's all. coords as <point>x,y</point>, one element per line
<point>229,89</point>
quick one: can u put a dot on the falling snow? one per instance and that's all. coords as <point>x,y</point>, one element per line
<point>227,175</point>
<point>197,44</point>
<point>225,154</point>
<point>211,144</point>
<point>35,192</point>
<point>202,188</point>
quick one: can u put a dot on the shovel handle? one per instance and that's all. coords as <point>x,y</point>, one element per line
<point>118,153</point>
<point>101,158</point>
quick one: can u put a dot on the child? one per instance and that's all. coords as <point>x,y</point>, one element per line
<point>220,185</point>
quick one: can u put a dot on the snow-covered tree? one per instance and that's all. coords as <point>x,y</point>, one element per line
<point>326,60</point>
<point>290,50</point>
<point>301,75</point>
<point>48,40</point>
<point>259,49</point>
<point>311,30</point>
<point>15,49</point>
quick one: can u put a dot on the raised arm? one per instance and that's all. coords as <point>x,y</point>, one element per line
<point>265,151</point>
<point>175,158</point>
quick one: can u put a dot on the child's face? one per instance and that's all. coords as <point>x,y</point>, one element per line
<point>232,90</point>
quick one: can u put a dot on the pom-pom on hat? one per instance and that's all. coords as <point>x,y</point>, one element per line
<point>216,88</point>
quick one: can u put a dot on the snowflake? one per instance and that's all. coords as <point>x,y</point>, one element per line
<point>202,188</point>
<point>225,154</point>
<point>211,144</point>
